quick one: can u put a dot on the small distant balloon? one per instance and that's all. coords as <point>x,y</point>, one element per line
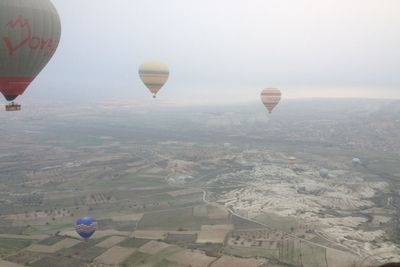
<point>271,97</point>
<point>154,75</point>
<point>86,227</point>
<point>292,161</point>
<point>356,161</point>
<point>324,173</point>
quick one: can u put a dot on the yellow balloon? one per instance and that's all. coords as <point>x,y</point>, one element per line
<point>154,75</point>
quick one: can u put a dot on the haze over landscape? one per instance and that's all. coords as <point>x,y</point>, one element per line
<point>204,179</point>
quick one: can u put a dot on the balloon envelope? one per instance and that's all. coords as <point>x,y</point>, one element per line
<point>30,31</point>
<point>271,98</point>
<point>86,227</point>
<point>292,161</point>
<point>324,173</point>
<point>154,75</point>
<point>356,161</point>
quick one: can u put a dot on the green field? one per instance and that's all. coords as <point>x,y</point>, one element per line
<point>313,256</point>
<point>182,239</point>
<point>177,219</point>
<point>247,252</point>
<point>132,180</point>
<point>136,259</point>
<point>142,259</point>
<point>26,257</point>
<point>240,224</point>
<point>284,224</point>
<point>86,251</point>
<point>166,263</point>
<point>51,240</point>
<point>106,224</point>
<point>50,229</point>
<point>56,261</point>
<point>10,246</point>
<point>133,242</point>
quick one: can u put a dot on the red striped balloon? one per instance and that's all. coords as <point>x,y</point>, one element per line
<point>292,161</point>
<point>271,98</point>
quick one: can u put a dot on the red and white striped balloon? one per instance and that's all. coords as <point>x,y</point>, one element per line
<point>271,98</point>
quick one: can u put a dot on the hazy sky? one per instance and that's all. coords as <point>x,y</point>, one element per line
<point>226,50</point>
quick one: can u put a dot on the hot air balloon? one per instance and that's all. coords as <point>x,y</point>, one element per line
<point>356,162</point>
<point>324,173</point>
<point>30,31</point>
<point>86,227</point>
<point>270,98</point>
<point>154,75</point>
<point>292,161</point>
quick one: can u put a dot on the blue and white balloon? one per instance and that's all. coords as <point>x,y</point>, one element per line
<point>86,227</point>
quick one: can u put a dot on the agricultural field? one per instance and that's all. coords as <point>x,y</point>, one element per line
<point>195,194</point>
<point>237,262</point>
<point>192,258</point>
<point>133,242</point>
<point>155,259</point>
<point>115,255</point>
<point>9,264</point>
<point>184,218</point>
<point>10,246</point>
<point>63,244</point>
